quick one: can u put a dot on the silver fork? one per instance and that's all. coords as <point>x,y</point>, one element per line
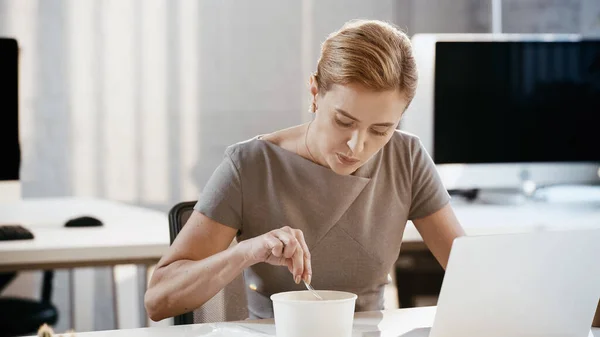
<point>312,290</point>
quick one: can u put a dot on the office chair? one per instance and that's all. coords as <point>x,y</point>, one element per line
<point>418,273</point>
<point>20,316</point>
<point>230,303</point>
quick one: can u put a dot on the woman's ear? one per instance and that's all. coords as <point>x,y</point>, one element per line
<point>313,84</point>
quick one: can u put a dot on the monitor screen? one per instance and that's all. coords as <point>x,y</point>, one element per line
<point>10,154</point>
<point>516,102</point>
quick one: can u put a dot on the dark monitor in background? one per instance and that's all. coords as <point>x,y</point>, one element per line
<point>10,152</point>
<point>485,111</point>
<point>517,102</point>
<point>516,113</point>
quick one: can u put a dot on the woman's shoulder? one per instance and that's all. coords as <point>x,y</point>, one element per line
<point>264,146</point>
<point>246,149</point>
<point>403,144</point>
<point>256,152</point>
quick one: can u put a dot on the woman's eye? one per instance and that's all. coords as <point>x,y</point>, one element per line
<point>379,132</point>
<point>340,123</point>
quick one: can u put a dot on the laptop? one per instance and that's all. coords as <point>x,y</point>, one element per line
<point>520,285</point>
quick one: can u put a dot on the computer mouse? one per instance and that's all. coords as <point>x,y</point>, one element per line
<point>83,221</point>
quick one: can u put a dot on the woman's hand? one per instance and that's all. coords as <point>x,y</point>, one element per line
<point>282,247</point>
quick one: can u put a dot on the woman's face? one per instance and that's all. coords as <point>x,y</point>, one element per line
<point>351,124</point>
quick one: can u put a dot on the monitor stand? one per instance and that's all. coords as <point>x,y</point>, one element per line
<point>515,196</point>
<point>530,193</point>
<point>500,196</point>
<point>505,196</point>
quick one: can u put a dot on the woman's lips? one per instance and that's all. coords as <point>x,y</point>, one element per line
<point>347,160</point>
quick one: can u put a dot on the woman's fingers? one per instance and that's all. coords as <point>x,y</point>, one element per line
<point>274,245</point>
<point>307,273</point>
<point>289,247</point>
<point>298,264</point>
<point>290,243</point>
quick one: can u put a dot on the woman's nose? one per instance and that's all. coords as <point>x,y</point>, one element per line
<point>356,142</point>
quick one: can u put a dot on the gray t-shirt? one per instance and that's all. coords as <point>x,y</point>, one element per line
<point>353,224</point>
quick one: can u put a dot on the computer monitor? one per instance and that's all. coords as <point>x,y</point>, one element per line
<point>10,152</point>
<point>495,111</point>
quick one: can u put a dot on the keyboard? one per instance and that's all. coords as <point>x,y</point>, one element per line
<point>14,232</point>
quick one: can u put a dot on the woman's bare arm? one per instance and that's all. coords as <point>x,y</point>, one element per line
<point>438,231</point>
<point>200,263</point>
<point>194,269</point>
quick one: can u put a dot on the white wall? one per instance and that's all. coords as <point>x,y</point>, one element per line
<point>564,16</point>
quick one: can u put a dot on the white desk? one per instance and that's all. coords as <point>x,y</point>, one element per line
<point>129,235</point>
<point>481,219</point>
<point>412,322</point>
<point>140,236</point>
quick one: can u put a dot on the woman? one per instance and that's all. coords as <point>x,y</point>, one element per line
<point>328,199</point>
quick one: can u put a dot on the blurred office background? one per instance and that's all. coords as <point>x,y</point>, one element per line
<point>136,100</point>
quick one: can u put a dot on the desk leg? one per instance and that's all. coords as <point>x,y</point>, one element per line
<point>84,285</point>
<point>114,297</point>
<point>72,298</point>
<point>142,272</point>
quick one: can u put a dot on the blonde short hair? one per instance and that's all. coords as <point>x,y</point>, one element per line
<point>372,53</point>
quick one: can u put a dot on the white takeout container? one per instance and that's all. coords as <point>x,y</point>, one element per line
<point>301,314</point>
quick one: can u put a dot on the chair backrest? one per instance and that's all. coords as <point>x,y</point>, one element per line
<point>230,303</point>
